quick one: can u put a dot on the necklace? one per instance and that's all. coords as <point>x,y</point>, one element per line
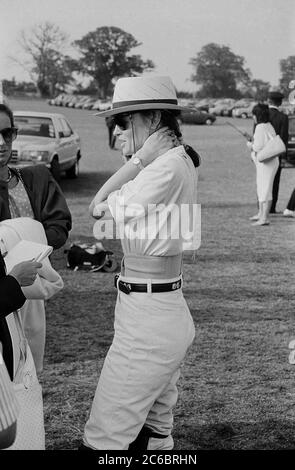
<point>10,175</point>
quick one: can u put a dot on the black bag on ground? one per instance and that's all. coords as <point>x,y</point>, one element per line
<point>90,258</point>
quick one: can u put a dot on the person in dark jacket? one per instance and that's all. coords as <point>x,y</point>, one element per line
<point>290,209</point>
<point>31,192</point>
<point>280,123</point>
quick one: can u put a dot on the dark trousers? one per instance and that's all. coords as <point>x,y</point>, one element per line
<point>275,189</point>
<point>291,203</point>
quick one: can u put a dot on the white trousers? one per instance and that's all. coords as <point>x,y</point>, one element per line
<point>137,384</point>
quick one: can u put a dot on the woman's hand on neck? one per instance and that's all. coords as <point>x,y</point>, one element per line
<point>158,143</point>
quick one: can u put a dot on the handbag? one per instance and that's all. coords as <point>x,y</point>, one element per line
<point>30,434</point>
<point>273,147</point>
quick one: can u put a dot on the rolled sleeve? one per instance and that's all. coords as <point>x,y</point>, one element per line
<point>153,185</point>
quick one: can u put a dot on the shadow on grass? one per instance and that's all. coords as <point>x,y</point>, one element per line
<point>262,435</point>
<point>265,435</point>
<point>83,322</point>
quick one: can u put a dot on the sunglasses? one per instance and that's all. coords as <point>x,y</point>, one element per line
<point>9,134</point>
<point>122,120</point>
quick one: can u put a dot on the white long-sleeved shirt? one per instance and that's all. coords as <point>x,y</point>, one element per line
<point>149,206</point>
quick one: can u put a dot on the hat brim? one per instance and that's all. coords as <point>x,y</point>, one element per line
<point>140,107</point>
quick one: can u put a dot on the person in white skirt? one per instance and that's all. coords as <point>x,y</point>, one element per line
<point>266,170</point>
<point>136,392</point>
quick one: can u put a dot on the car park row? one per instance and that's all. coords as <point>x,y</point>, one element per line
<point>229,107</point>
<point>48,139</point>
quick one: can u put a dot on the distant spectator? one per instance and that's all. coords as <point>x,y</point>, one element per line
<point>280,123</point>
<point>290,210</point>
<point>265,171</point>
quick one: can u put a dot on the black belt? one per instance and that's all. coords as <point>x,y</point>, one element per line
<point>128,287</point>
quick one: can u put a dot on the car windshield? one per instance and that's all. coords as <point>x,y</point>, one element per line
<point>34,126</point>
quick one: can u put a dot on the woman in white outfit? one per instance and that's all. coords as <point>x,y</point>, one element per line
<point>266,170</point>
<point>136,392</point>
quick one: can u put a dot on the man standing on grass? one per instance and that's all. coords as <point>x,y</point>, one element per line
<point>280,123</point>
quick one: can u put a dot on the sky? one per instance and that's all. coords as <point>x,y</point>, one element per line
<point>171,31</point>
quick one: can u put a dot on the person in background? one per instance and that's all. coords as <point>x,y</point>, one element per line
<point>8,408</point>
<point>290,209</point>
<point>137,388</point>
<point>31,192</point>
<point>280,123</point>
<point>265,171</point>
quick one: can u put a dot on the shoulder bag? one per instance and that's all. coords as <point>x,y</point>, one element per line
<point>273,147</point>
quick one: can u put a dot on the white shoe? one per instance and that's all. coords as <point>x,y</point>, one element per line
<point>255,217</point>
<point>160,444</point>
<point>288,213</point>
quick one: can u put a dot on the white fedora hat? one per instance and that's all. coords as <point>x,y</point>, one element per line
<point>140,93</point>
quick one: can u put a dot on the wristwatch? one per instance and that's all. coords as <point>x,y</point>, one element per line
<point>137,162</point>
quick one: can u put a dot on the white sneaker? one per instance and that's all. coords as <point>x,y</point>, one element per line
<point>288,213</point>
<point>161,444</point>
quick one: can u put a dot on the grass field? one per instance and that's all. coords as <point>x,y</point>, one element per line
<point>237,386</point>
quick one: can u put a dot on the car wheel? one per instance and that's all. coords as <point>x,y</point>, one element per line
<point>209,122</point>
<point>244,115</point>
<point>73,172</point>
<point>55,170</point>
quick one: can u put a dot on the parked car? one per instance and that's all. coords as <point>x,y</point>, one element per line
<point>243,112</point>
<point>47,139</point>
<point>57,101</point>
<point>222,107</point>
<point>242,103</point>
<point>79,104</point>
<point>73,101</point>
<point>196,116</point>
<point>102,105</point>
<point>289,161</point>
<point>89,104</point>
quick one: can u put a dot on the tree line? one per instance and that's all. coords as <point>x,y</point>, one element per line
<point>105,54</point>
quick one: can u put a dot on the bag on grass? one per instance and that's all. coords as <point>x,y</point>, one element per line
<point>90,258</point>
<point>273,147</point>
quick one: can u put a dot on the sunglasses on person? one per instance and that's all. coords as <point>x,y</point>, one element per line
<point>122,120</point>
<point>9,134</point>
